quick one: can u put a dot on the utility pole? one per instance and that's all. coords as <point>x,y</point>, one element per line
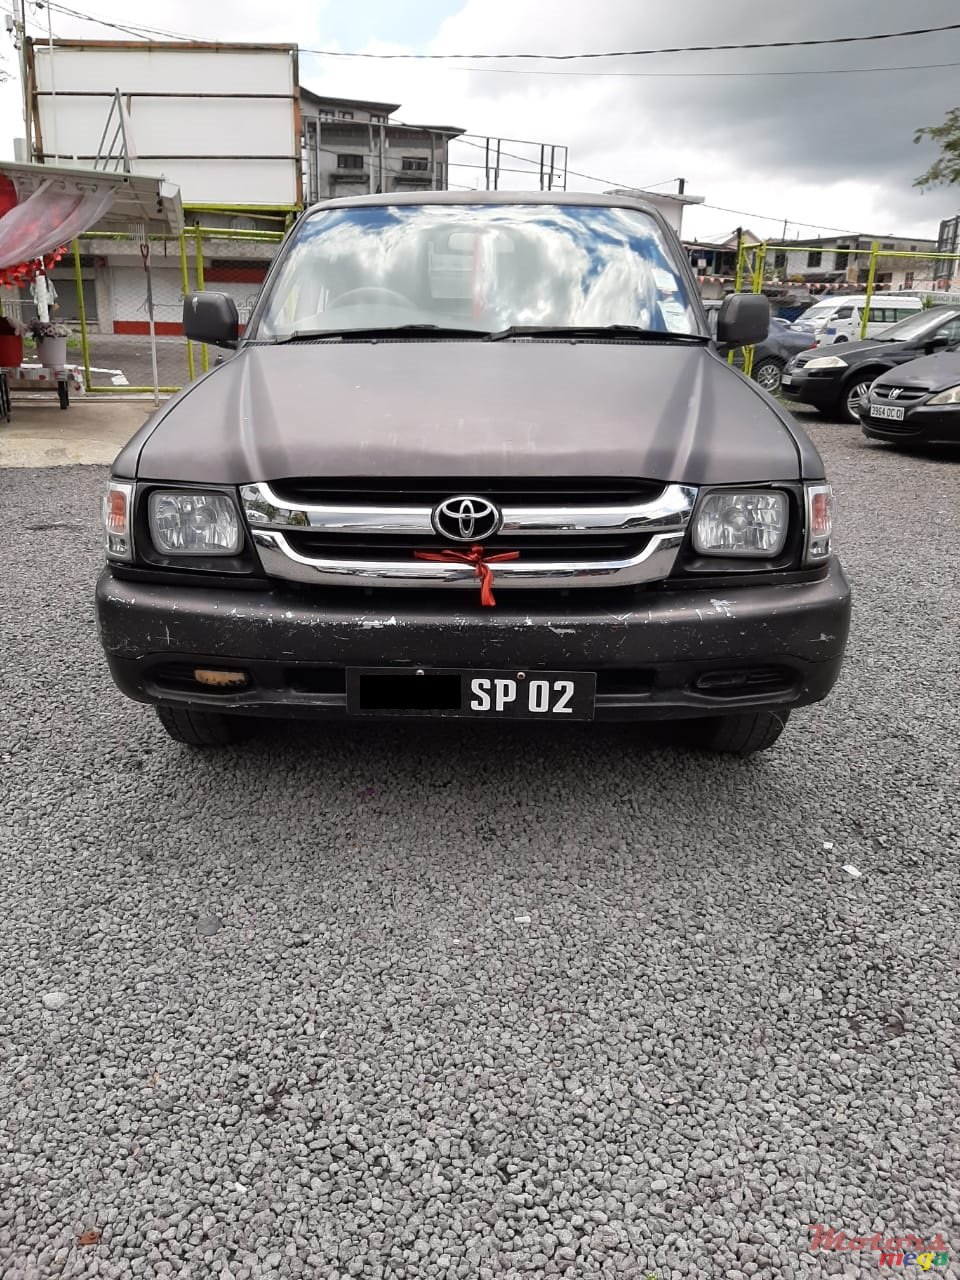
<point>17,27</point>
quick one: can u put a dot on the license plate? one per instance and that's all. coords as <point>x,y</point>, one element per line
<point>474,694</point>
<point>786,380</point>
<point>892,411</point>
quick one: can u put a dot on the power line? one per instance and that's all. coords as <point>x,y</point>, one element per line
<point>699,75</point>
<point>640,53</point>
<point>134,30</point>
<point>778,217</point>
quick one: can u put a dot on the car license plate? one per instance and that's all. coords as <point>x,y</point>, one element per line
<point>786,380</point>
<point>892,411</point>
<point>497,695</point>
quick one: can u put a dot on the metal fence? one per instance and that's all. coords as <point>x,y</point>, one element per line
<point>107,296</point>
<point>757,270</point>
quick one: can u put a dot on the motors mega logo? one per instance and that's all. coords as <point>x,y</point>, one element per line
<point>897,1251</point>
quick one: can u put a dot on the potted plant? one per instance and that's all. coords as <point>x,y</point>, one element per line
<point>50,337</point>
<point>11,343</point>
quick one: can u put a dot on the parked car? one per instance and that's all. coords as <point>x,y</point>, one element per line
<point>474,456</point>
<point>770,356</point>
<point>836,382</point>
<point>840,319</point>
<point>917,402</point>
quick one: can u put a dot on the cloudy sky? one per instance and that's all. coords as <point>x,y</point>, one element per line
<point>828,150</point>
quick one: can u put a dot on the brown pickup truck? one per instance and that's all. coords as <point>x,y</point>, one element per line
<point>474,456</point>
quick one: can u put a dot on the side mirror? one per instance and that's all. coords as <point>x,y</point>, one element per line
<point>211,317</point>
<point>938,342</point>
<point>744,319</point>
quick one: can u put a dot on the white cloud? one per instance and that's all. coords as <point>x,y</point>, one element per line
<point>834,150</point>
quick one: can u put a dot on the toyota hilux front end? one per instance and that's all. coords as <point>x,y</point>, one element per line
<point>474,459</point>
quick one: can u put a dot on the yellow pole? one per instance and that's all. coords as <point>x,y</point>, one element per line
<point>738,275</point>
<point>204,357</point>
<point>191,370</point>
<point>871,276</point>
<point>82,311</point>
<point>759,266</point>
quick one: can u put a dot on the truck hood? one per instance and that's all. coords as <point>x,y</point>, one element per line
<point>471,410</point>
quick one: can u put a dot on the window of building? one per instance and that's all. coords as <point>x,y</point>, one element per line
<point>415,164</point>
<point>377,119</point>
<point>908,280</point>
<point>779,259</point>
<point>326,114</point>
<point>346,115</point>
<point>814,257</point>
<point>349,162</point>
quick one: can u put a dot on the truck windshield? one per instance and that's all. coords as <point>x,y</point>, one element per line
<point>482,268</point>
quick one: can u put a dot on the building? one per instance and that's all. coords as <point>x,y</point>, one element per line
<point>845,260</point>
<point>714,261</point>
<point>947,270</point>
<point>350,146</point>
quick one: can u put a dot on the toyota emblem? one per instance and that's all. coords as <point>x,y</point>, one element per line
<point>467,519</point>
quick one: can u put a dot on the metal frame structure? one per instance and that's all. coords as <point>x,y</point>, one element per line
<point>752,261</point>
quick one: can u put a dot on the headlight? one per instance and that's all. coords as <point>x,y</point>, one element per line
<point>826,362</point>
<point>819,521</point>
<point>950,396</point>
<point>751,523</point>
<point>115,517</point>
<point>194,524</point>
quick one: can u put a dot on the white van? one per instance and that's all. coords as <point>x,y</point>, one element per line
<point>839,319</point>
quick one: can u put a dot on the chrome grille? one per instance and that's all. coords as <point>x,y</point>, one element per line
<point>898,395</point>
<point>567,533</point>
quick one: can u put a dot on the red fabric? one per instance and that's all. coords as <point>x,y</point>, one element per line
<point>481,563</point>
<point>8,195</point>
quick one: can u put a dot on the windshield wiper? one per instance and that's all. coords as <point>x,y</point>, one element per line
<point>594,331</point>
<point>383,331</point>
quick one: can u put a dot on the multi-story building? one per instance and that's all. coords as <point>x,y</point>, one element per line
<point>351,146</point>
<point>836,260</point>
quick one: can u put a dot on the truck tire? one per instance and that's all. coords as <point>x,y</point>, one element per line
<point>199,728</point>
<point>738,735</point>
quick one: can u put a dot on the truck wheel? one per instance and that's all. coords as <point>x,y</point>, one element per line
<point>198,728</point>
<point>738,735</point>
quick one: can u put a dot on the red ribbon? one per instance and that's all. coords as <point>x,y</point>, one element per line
<point>481,563</point>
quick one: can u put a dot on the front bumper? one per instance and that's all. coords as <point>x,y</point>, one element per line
<point>659,654</point>
<point>920,424</point>
<point>820,390</point>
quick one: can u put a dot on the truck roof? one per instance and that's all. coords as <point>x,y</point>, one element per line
<point>604,200</point>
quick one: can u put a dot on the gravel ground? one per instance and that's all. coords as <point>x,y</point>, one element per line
<point>451,1002</point>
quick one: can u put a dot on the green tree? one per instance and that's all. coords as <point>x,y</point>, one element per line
<point>945,170</point>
